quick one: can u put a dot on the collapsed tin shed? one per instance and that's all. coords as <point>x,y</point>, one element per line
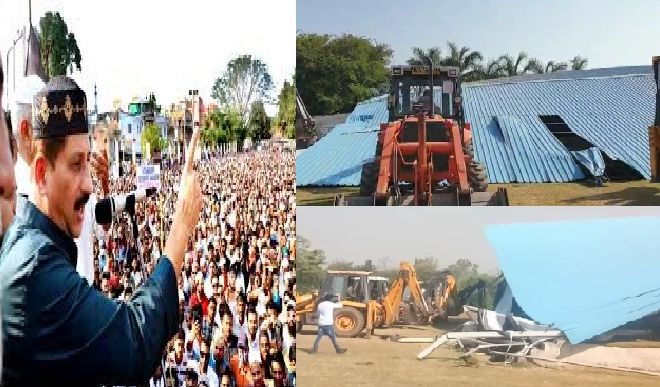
<point>528,129</point>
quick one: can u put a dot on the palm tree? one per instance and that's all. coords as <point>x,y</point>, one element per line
<point>490,70</point>
<point>420,55</point>
<point>553,66</point>
<point>465,59</point>
<point>579,63</point>
<point>522,64</point>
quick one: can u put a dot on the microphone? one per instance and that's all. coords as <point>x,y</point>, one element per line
<point>108,207</point>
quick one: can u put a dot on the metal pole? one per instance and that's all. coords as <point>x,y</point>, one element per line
<point>14,72</point>
<point>8,51</point>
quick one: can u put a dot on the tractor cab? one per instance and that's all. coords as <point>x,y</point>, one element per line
<point>411,92</point>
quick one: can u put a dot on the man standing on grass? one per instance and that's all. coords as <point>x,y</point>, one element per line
<point>326,314</point>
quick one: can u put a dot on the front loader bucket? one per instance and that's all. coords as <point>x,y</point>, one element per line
<point>341,200</point>
<point>497,198</point>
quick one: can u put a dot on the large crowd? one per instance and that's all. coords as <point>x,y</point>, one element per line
<point>237,292</point>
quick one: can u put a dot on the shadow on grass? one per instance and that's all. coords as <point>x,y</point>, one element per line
<point>322,196</point>
<point>631,196</point>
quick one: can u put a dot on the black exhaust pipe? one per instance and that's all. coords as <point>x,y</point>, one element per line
<point>656,70</point>
<point>432,111</point>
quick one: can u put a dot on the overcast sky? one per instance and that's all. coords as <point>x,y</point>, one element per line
<point>608,32</point>
<point>130,48</point>
<point>354,234</point>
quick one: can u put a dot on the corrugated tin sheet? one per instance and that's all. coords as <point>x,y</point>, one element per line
<point>370,112</point>
<point>573,74</point>
<point>612,108</point>
<point>514,150</point>
<point>613,113</point>
<point>575,276</point>
<point>337,158</point>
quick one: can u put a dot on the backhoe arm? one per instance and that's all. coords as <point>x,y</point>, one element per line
<point>392,300</point>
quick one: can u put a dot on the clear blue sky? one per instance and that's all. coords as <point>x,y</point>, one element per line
<point>608,32</point>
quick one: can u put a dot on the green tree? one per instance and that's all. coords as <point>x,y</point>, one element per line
<point>553,66</point>
<point>245,81</point>
<point>464,58</point>
<point>579,63</point>
<point>334,73</point>
<point>234,126</point>
<point>308,266</point>
<point>59,49</point>
<point>287,109</point>
<point>426,268</point>
<point>419,56</point>
<point>522,64</point>
<point>490,70</point>
<point>341,265</point>
<point>468,274</point>
<point>151,135</point>
<point>259,122</point>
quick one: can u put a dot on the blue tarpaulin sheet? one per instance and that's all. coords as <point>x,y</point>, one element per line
<point>592,160</point>
<point>584,277</point>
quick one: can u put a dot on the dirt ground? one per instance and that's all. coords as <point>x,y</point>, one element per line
<point>631,193</point>
<point>377,362</point>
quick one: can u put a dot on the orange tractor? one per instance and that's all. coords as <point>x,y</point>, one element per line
<point>424,155</point>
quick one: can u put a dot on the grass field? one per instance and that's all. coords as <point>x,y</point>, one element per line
<point>377,362</point>
<point>631,193</point>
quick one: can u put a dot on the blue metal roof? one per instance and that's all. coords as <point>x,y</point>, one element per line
<point>613,113</point>
<point>575,276</point>
<point>573,74</point>
<point>373,111</point>
<point>612,108</point>
<point>337,158</point>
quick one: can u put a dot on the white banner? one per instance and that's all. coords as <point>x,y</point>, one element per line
<point>148,176</point>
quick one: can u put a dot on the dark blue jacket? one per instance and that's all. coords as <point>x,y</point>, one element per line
<point>58,330</point>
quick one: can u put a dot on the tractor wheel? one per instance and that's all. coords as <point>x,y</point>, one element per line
<point>468,149</point>
<point>349,322</point>
<point>476,171</point>
<point>369,178</point>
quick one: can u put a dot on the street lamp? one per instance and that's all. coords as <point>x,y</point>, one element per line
<point>20,35</point>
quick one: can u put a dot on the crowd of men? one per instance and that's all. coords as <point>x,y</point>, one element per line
<point>237,289</point>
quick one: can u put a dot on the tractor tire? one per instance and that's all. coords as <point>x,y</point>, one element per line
<point>369,178</point>
<point>349,322</point>
<point>476,171</point>
<point>478,176</point>
<point>370,170</point>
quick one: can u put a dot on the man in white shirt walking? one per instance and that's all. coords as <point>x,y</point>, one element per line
<point>326,323</point>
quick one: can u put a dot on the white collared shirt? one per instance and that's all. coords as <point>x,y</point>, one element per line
<point>23,179</point>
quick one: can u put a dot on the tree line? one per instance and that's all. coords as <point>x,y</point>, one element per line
<point>334,73</point>
<point>241,91</point>
<point>311,266</point>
